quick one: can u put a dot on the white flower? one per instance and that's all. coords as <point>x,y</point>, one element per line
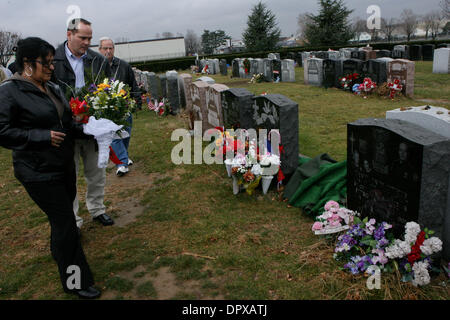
<point>431,245</point>
<point>412,230</point>
<point>398,249</point>
<point>421,276</point>
<point>257,170</point>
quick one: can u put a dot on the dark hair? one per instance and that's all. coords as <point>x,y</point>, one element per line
<point>30,49</point>
<point>74,24</point>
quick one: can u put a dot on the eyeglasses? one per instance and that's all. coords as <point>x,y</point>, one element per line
<point>47,64</point>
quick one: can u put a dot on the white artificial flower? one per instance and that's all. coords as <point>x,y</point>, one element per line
<point>431,245</point>
<point>412,230</point>
<point>421,275</point>
<point>257,170</point>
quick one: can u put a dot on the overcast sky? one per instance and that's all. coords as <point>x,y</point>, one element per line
<point>141,20</point>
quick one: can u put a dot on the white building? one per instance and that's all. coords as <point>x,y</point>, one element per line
<point>147,50</point>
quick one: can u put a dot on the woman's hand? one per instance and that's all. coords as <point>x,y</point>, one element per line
<point>57,138</point>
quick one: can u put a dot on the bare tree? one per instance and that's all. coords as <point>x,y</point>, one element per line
<point>8,40</point>
<point>436,18</point>
<point>303,20</point>
<point>359,27</point>
<point>409,22</point>
<point>167,34</point>
<point>192,42</point>
<point>445,6</point>
<point>388,27</point>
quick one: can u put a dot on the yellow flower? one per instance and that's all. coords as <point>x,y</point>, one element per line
<point>122,92</point>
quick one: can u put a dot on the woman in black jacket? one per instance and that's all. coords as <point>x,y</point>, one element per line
<point>36,123</point>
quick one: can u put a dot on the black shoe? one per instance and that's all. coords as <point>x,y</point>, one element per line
<point>89,293</point>
<point>104,219</point>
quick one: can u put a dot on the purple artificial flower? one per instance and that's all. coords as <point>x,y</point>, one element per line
<point>379,233</point>
<point>92,88</point>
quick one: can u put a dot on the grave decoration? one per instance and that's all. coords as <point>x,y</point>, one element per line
<point>367,86</point>
<point>334,219</point>
<point>395,88</point>
<point>348,81</point>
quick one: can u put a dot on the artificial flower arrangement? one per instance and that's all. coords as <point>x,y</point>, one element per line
<point>347,82</point>
<point>246,171</point>
<point>334,219</point>
<point>367,86</point>
<point>257,78</point>
<point>162,108</point>
<point>395,88</point>
<point>368,243</point>
<point>104,112</point>
<point>246,65</point>
<point>413,254</point>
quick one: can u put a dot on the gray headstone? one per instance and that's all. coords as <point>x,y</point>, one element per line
<point>405,71</point>
<point>441,61</point>
<point>383,54</point>
<point>315,71</point>
<point>235,68</point>
<point>223,67</point>
<point>275,111</point>
<point>207,80</point>
<point>399,172</point>
<point>277,70</point>
<point>214,105</point>
<point>436,119</point>
<point>184,83</point>
<point>173,93</point>
<point>260,66</point>
<point>199,110</point>
<point>253,67</point>
<point>237,108</point>
<point>162,86</point>
<point>153,84</point>
<point>268,69</point>
<point>377,70</point>
<point>288,70</point>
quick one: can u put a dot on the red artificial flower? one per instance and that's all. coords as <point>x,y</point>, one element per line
<point>161,111</point>
<point>79,110</point>
<point>415,249</point>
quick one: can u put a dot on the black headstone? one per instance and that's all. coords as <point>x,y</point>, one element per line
<point>162,87</point>
<point>398,172</point>
<point>237,108</point>
<point>223,67</point>
<point>376,70</point>
<point>443,45</point>
<point>275,111</point>
<point>332,71</point>
<point>351,66</point>
<point>428,52</point>
<point>235,68</point>
<point>321,54</point>
<point>400,52</point>
<point>268,69</point>
<point>299,59</point>
<point>415,52</point>
<point>173,94</point>
<point>384,54</point>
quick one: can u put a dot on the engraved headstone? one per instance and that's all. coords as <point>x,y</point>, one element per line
<point>260,65</point>
<point>237,108</point>
<point>377,70</point>
<point>214,105</point>
<point>428,52</point>
<point>253,67</point>
<point>275,111</point>
<point>400,52</point>
<point>404,70</point>
<point>288,70</point>
<point>351,66</point>
<point>277,76</point>
<point>268,70</point>
<point>235,68</point>
<point>153,85</point>
<point>399,172</point>
<point>199,110</point>
<point>172,91</point>
<point>184,83</point>
<point>162,86</point>
<point>332,71</point>
<point>315,71</point>
<point>441,61</point>
<point>223,67</point>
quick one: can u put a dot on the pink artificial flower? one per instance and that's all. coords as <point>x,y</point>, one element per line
<point>335,223</point>
<point>331,204</point>
<point>317,226</point>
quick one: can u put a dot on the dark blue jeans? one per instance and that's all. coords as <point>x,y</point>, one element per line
<point>120,146</point>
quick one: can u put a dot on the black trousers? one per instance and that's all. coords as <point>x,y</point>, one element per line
<point>55,198</point>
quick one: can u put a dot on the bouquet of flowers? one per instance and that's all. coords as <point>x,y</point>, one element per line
<point>414,253</point>
<point>257,78</point>
<point>110,105</point>
<point>270,164</point>
<point>246,171</point>
<point>162,108</point>
<point>334,219</point>
<point>364,245</point>
<point>348,81</point>
<point>395,87</point>
<point>367,86</point>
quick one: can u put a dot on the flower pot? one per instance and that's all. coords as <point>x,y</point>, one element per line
<point>228,166</point>
<point>236,187</point>
<point>266,180</point>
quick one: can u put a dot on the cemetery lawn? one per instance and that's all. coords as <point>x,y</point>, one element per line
<point>181,234</point>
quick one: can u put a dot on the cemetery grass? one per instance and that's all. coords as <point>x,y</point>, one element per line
<point>213,245</point>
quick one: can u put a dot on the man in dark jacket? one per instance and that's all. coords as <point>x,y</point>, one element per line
<point>76,67</point>
<point>122,71</point>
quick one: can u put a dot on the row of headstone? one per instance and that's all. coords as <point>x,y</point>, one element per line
<point>216,105</point>
<point>398,169</point>
<point>272,69</point>
<point>327,72</point>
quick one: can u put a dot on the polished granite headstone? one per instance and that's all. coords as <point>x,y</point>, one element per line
<point>428,52</point>
<point>275,111</point>
<point>184,83</point>
<point>332,71</point>
<point>214,105</point>
<point>415,52</point>
<point>223,67</point>
<point>399,172</point>
<point>199,111</point>
<point>314,71</point>
<point>268,70</point>
<point>405,71</point>
<point>173,93</point>
<point>441,61</point>
<point>287,70</point>
<point>351,66</point>
<point>153,85</point>
<point>383,53</point>
<point>162,86</point>
<point>237,108</point>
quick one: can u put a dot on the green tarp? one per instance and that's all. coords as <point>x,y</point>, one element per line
<point>315,182</point>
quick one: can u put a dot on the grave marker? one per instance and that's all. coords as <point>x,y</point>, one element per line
<point>214,105</point>
<point>441,61</point>
<point>404,70</point>
<point>237,108</point>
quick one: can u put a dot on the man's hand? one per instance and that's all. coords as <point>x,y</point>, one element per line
<point>57,138</point>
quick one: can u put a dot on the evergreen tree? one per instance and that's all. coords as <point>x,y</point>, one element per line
<point>213,39</point>
<point>262,33</point>
<point>331,27</point>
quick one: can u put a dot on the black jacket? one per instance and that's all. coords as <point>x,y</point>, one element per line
<point>94,64</point>
<point>27,115</point>
<point>122,71</point>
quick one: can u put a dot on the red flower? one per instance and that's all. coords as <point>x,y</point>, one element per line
<point>415,249</point>
<point>79,110</point>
